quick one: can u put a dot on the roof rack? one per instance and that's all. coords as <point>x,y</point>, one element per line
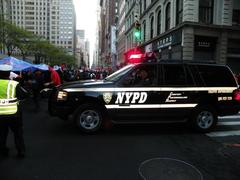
<point>186,61</point>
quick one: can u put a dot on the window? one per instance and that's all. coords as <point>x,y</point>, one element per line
<point>151,27</point>
<point>159,24</point>
<point>144,5</point>
<point>236,17</point>
<point>216,76</point>
<point>119,74</point>
<point>144,31</point>
<point>168,17</point>
<point>206,11</point>
<point>176,75</point>
<point>179,12</point>
<point>142,76</point>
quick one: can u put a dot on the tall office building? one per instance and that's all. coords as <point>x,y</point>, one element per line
<point>87,53</point>
<point>121,28</point>
<point>80,35</point>
<point>80,47</point>
<point>67,26</point>
<point>55,20</point>
<point>107,39</point>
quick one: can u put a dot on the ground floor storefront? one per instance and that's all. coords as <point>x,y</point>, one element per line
<point>202,43</point>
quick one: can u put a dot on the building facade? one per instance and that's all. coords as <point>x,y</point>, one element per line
<point>54,20</point>
<point>87,53</point>
<point>200,30</point>
<point>107,39</point>
<point>80,47</point>
<point>121,28</point>
<point>67,26</point>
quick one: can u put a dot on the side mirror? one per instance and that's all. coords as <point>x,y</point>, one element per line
<point>46,92</point>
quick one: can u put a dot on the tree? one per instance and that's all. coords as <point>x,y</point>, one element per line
<point>27,43</point>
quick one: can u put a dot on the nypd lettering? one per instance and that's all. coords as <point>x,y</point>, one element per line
<point>131,98</point>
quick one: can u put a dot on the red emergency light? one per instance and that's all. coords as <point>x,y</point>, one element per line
<point>236,95</point>
<point>138,57</point>
<point>135,58</point>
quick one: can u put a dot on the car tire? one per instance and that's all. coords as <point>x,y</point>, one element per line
<point>89,118</point>
<point>204,119</point>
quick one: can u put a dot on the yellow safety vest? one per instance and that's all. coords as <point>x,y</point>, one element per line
<point>8,99</point>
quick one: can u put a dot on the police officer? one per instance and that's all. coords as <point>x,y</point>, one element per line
<point>10,113</point>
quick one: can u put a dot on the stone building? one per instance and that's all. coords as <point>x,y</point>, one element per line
<point>107,41</point>
<point>121,27</point>
<point>200,30</point>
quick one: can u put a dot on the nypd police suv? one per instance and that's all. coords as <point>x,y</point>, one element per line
<point>156,92</point>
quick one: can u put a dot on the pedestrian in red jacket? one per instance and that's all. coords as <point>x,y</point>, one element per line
<point>55,78</point>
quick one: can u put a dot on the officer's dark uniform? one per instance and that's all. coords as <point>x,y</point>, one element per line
<point>12,121</point>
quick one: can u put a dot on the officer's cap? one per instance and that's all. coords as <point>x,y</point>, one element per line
<point>5,67</point>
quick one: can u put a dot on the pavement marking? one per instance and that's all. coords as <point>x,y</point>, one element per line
<point>224,133</point>
<point>229,123</point>
<point>155,174</point>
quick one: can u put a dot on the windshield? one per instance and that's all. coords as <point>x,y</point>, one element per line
<point>118,74</point>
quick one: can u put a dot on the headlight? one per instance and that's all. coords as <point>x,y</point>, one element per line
<point>62,96</point>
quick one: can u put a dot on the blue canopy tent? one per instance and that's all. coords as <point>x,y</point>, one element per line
<point>19,65</point>
<point>42,67</point>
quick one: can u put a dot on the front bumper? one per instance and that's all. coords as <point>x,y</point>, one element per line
<point>59,109</point>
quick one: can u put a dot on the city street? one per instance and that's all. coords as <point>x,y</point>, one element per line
<point>56,150</point>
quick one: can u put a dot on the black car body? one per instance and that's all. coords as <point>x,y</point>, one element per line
<point>171,92</point>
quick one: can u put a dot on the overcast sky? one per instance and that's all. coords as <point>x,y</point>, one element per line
<point>87,19</point>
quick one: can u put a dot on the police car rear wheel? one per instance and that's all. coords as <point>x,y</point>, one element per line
<point>204,119</point>
<point>89,118</point>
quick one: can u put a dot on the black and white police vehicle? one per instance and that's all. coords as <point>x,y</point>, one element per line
<point>156,92</point>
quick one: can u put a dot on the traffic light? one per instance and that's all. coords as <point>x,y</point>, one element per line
<point>137,31</point>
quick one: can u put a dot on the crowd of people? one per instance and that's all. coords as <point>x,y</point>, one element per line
<point>36,80</point>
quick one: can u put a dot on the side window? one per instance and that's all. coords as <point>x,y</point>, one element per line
<point>196,75</point>
<point>141,76</point>
<point>216,76</point>
<point>176,75</point>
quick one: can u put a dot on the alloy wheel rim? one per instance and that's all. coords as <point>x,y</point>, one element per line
<point>205,119</point>
<point>89,119</point>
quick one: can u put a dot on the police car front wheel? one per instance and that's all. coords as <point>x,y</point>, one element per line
<point>89,118</point>
<point>204,119</point>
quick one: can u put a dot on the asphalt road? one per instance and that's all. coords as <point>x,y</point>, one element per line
<point>56,150</point>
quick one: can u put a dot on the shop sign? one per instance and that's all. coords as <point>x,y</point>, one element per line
<point>167,41</point>
<point>171,39</point>
<point>205,43</point>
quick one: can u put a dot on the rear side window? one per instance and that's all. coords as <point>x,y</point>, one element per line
<point>216,76</point>
<point>176,75</point>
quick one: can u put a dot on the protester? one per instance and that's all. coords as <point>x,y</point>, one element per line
<point>55,78</point>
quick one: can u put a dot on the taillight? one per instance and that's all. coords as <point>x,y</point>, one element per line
<point>236,94</point>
